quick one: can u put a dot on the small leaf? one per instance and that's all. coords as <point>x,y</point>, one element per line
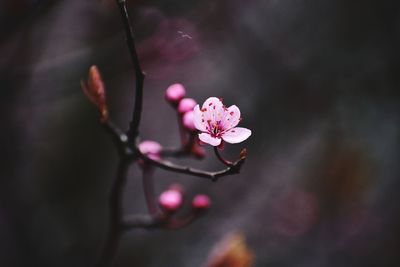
<point>94,89</point>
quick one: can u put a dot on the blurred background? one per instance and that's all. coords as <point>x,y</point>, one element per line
<point>316,81</point>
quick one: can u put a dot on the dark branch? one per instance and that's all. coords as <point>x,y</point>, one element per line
<point>169,166</point>
<point>115,215</point>
<point>120,139</point>
<point>133,131</point>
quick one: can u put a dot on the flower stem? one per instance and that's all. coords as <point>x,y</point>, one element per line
<point>224,161</point>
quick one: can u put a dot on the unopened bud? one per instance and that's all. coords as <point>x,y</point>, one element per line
<point>175,93</point>
<point>188,122</point>
<point>201,202</point>
<point>186,104</point>
<point>151,149</point>
<point>94,89</point>
<point>171,200</point>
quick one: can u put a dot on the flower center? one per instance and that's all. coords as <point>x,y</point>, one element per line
<point>215,129</point>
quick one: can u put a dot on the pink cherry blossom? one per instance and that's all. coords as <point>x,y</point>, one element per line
<point>217,122</point>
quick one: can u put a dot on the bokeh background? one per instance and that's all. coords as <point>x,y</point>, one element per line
<point>316,81</point>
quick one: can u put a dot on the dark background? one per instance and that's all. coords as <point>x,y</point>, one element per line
<point>316,81</point>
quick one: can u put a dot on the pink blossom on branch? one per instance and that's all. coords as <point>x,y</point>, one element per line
<point>217,122</point>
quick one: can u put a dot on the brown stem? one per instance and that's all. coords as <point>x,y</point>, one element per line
<point>224,161</point>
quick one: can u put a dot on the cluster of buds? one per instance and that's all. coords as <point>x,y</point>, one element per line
<point>172,199</point>
<point>184,106</point>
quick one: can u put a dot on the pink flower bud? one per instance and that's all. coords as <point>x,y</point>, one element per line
<point>187,121</point>
<point>201,202</point>
<point>151,149</point>
<point>175,93</point>
<point>171,200</point>
<point>186,104</point>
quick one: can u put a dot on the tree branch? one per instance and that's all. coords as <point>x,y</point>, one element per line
<point>133,131</point>
<point>115,215</point>
<point>120,140</point>
<point>214,176</point>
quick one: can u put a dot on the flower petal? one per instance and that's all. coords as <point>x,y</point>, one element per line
<point>198,119</point>
<point>231,118</point>
<point>236,135</point>
<point>207,138</point>
<point>213,110</point>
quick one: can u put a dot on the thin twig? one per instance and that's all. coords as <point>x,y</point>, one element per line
<point>224,161</point>
<point>133,131</point>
